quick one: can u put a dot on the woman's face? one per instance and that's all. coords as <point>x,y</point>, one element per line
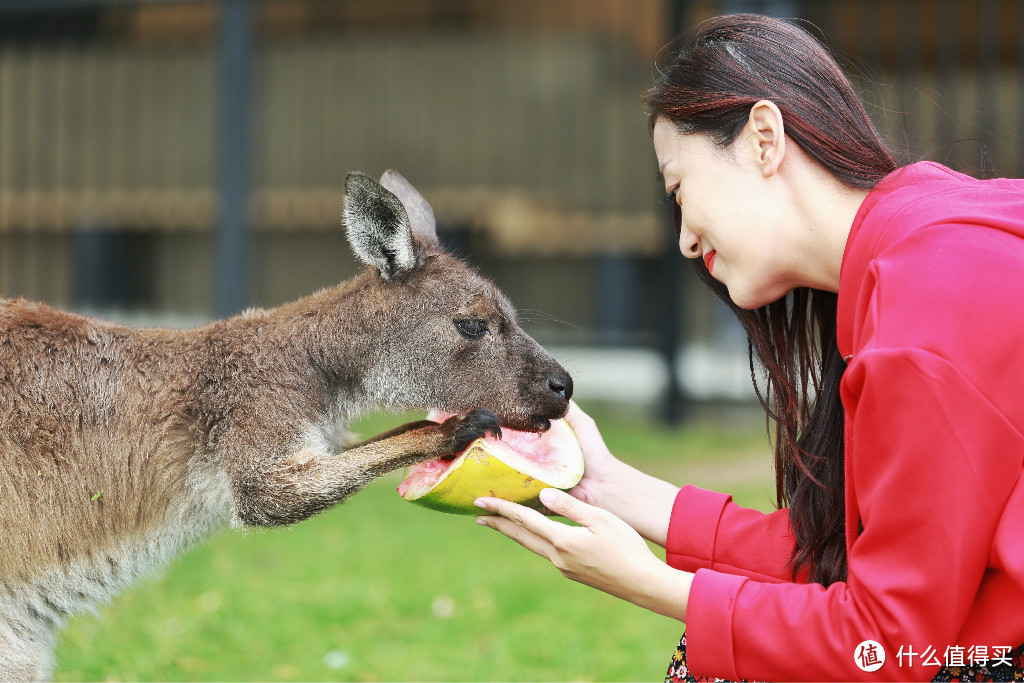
<point>731,213</point>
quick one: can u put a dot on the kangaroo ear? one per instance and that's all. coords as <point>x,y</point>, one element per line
<point>377,226</point>
<point>421,216</point>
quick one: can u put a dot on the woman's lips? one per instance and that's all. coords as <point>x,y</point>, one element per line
<point>709,260</point>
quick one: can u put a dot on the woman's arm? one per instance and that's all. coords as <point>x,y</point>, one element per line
<point>709,531</point>
<point>697,528</point>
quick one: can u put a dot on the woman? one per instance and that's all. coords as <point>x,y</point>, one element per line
<point>885,305</point>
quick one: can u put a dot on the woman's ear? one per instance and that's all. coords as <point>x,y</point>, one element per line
<point>766,136</point>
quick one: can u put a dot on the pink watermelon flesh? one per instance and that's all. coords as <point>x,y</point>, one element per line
<point>531,445</point>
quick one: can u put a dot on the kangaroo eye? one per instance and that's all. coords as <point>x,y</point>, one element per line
<point>472,327</point>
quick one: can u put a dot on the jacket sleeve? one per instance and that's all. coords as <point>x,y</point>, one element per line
<point>934,465</point>
<point>708,531</point>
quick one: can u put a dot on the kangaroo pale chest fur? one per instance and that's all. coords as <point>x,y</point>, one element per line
<point>119,447</point>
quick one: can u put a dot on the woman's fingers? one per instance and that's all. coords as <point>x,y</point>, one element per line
<point>563,504</point>
<point>537,522</point>
<point>527,527</point>
<point>562,544</point>
<point>519,534</point>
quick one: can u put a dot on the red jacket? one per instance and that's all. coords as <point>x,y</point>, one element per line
<point>931,316</point>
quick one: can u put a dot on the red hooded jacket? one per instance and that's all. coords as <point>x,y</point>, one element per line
<point>931,321</point>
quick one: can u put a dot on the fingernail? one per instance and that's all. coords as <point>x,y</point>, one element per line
<point>548,495</point>
<point>481,521</point>
<point>479,502</point>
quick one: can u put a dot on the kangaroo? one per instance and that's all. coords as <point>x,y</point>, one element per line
<point>120,447</point>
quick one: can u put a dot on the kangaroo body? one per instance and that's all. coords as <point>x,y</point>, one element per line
<point>119,447</point>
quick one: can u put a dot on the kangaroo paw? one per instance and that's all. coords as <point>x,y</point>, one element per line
<point>465,428</point>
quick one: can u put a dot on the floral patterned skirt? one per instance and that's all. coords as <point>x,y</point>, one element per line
<point>1002,666</point>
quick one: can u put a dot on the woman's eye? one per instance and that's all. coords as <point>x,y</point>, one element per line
<point>472,327</point>
<point>675,213</point>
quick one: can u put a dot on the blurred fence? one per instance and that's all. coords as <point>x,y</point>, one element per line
<point>128,182</point>
<point>117,131</point>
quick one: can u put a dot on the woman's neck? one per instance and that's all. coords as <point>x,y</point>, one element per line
<point>827,209</point>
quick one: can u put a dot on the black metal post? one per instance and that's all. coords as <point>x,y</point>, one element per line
<point>948,59</point>
<point>616,287</point>
<point>1018,171</point>
<point>233,144</point>
<point>674,283</point>
<point>988,95</point>
<point>908,68</point>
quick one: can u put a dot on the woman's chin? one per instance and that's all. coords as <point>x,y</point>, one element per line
<point>750,298</point>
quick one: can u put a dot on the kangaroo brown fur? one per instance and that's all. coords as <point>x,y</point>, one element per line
<point>119,446</point>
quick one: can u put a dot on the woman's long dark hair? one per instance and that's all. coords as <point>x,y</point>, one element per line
<point>730,63</point>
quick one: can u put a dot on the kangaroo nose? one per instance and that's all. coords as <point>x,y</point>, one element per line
<point>560,383</point>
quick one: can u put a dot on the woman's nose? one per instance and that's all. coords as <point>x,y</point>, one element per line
<point>689,244</point>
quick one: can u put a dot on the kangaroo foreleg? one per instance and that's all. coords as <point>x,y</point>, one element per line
<point>311,480</point>
<point>402,429</point>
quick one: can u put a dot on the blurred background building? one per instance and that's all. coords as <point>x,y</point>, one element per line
<point>173,161</point>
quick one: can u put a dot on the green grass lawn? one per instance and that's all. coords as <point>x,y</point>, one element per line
<point>381,590</point>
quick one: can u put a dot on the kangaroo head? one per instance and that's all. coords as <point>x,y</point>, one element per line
<point>446,337</point>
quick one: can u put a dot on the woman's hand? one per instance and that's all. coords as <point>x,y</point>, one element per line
<point>603,552</point>
<point>598,462</point>
<point>640,500</point>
